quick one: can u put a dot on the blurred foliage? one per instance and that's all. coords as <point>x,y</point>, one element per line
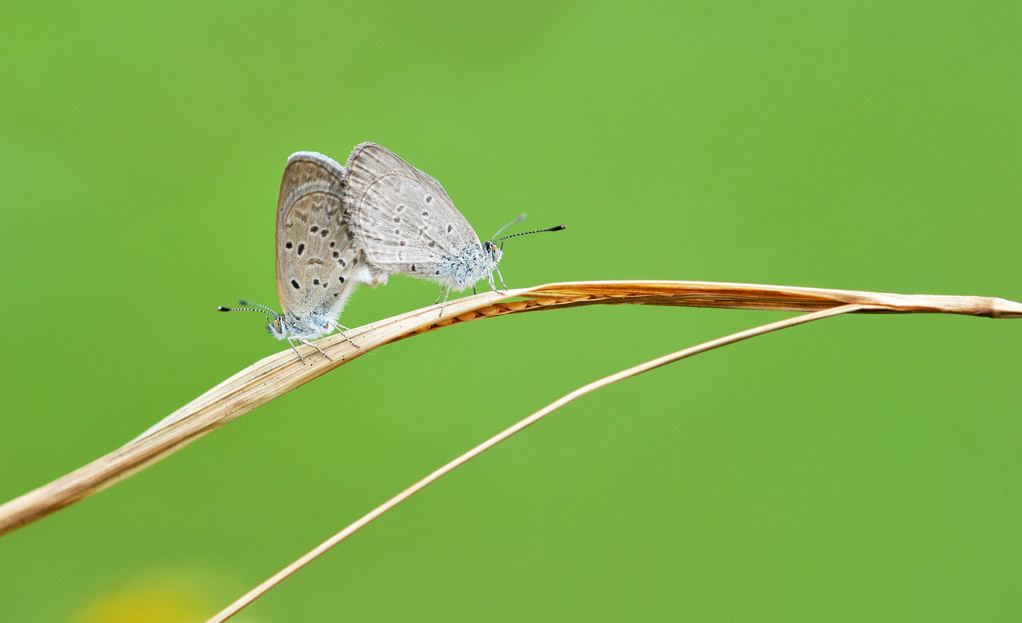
<point>864,468</point>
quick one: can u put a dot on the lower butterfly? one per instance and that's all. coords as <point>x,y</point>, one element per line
<point>319,261</point>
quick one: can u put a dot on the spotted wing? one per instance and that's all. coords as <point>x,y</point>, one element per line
<point>402,217</point>
<point>317,258</point>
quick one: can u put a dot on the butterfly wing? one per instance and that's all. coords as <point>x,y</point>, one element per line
<point>402,217</point>
<point>317,257</point>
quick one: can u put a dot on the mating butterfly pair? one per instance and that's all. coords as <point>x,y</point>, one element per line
<point>339,226</point>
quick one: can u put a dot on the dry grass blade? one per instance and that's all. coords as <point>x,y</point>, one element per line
<point>280,373</point>
<point>371,516</point>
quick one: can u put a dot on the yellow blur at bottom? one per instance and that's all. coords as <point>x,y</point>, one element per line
<point>173,600</point>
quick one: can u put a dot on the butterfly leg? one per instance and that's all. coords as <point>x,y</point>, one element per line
<point>445,291</point>
<point>292,345</point>
<point>308,343</point>
<point>340,328</point>
<point>502,284</point>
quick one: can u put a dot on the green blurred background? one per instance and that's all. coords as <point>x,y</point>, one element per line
<point>863,468</point>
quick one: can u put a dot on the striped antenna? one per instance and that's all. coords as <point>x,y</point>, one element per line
<point>254,307</point>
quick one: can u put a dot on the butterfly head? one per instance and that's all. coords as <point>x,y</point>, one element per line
<point>492,251</point>
<point>276,327</point>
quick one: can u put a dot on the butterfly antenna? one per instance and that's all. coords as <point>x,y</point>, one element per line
<point>260,306</point>
<point>521,217</point>
<point>535,231</point>
<point>256,307</point>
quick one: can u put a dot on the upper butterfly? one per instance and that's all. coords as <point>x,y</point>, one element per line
<point>319,262</point>
<point>406,224</point>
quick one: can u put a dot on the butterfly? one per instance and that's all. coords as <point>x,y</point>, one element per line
<point>406,224</point>
<point>319,261</point>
